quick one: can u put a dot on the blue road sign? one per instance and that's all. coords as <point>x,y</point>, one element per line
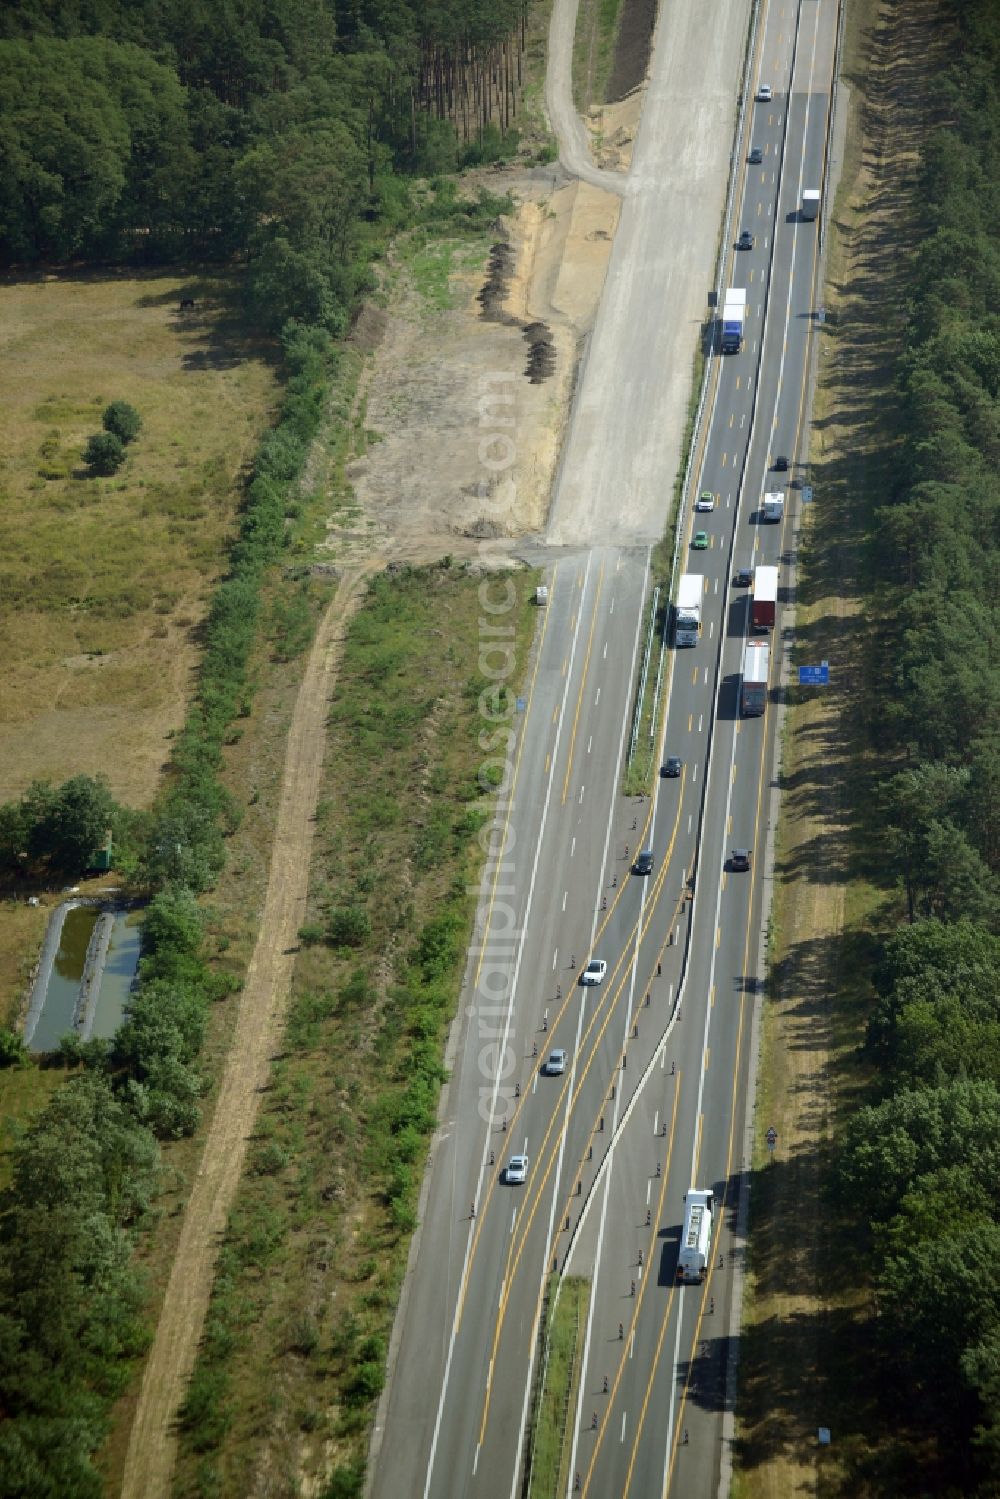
<point>815,676</point>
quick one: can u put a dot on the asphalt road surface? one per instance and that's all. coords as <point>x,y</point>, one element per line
<point>653,1099</point>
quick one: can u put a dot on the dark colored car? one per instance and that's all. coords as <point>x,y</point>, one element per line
<point>643,862</point>
<point>780,464</point>
<point>745,241</point>
<point>671,766</point>
<point>743,577</point>
<point>739,863</point>
<point>756,156</point>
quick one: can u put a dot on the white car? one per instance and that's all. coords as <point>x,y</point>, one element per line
<point>516,1172</point>
<point>556,1064</point>
<point>705,501</point>
<point>594,972</point>
<point>764,94</point>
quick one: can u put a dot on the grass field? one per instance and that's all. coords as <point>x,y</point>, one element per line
<point>103,582</point>
<point>309,1274</point>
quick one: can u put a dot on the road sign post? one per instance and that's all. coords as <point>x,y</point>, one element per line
<point>815,676</point>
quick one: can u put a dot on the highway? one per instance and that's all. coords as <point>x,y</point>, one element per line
<point>654,1099</point>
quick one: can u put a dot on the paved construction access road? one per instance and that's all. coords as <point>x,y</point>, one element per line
<point>654,1098</point>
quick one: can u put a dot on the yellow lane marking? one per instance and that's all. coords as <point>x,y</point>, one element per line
<point>657,1220</point>
<point>525,1221</point>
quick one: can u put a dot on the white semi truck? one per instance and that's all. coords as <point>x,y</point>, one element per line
<point>764,598</point>
<point>696,1237</point>
<point>734,314</point>
<point>687,610</point>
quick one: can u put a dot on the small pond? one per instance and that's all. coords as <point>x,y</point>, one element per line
<point>84,984</point>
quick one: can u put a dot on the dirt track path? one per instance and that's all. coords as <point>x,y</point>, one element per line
<point>152,1442</point>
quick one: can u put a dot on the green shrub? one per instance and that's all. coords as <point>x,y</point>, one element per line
<point>12,1050</point>
<point>104,453</point>
<point>269,1159</point>
<point>349,926</point>
<point>122,421</point>
<point>345,1482</point>
<point>292,623</point>
<point>303,1335</point>
<point>205,1414</point>
<point>493,145</point>
<point>366,1384</point>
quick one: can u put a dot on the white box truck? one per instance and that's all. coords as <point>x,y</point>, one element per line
<point>753,684</point>
<point>696,1237</point>
<point>810,203</point>
<point>774,506</point>
<point>687,610</point>
<point>734,313</point>
<point>764,598</point>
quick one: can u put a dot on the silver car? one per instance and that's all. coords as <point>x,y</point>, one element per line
<point>555,1064</point>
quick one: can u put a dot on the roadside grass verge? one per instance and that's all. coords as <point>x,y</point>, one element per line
<point>294,1351</point>
<point>597,26</point>
<point>808,1352</point>
<point>564,1333</point>
<point>638,776</point>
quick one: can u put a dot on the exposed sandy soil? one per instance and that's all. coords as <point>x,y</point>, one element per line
<point>612,130</point>
<point>448,389</point>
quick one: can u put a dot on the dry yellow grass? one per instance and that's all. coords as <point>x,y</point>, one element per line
<point>103,581</point>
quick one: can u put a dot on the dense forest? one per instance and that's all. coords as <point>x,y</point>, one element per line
<point>921,1161</point>
<point>271,132</point>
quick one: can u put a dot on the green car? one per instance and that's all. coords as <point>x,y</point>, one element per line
<point>700,541</point>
